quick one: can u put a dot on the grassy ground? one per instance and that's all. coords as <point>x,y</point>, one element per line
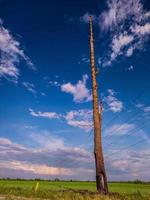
<point>64,190</point>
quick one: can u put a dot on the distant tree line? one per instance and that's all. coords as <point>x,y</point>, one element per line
<point>137,181</point>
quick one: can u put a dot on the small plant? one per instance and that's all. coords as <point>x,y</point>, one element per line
<point>36,187</point>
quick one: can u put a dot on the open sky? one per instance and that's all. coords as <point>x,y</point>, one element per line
<point>46,126</point>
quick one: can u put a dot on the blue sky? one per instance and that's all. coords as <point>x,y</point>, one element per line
<point>45,83</point>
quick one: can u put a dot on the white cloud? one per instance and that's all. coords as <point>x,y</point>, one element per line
<point>139,105</point>
<point>49,115</point>
<point>48,141</point>
<point>68,162</point>
<point>84,60</point>
<point>141,29</point>
<point>76,118</point>
<point>79,91</point>
<point>113,103</point>
<point>43,94</point>
<point>128,23</point>
<point>118,44</point>
<point>129,165</point>
<point>30,87</point>
<point>131,68</point>
<point>120,10</point>
<point>147,14</point>
<point>80,118</point>
<point>129,28</point>
<point>49,159</point>
<point>122,44</point>
<point>121,164</point>
<point>4,141</point>
<point>146,109</point>
<point>130,51</point>
<point>39,169</point>
<point>120,129</point>
<point>11,54</point>
<point>54,83</point>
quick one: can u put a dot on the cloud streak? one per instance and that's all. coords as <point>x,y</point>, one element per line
<point>11,55</point>
<point>49,115</point>
<point>30,87</point>
<point>120,129</point>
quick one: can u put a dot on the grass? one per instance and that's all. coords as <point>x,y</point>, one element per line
<point>66,190</point>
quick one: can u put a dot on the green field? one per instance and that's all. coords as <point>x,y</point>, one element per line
<point>72,190</point>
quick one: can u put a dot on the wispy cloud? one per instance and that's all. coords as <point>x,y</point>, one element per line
<point>120,129</point>
<point>43,94</point>
<point>131,68</point>
<point>54,83</point>
<point>77,118</point>
<point>11,54</point>
<point>129,25</point>
<point>112,102</point>
<point>118,44</point>
<point>30,87</point>
<point>79,91</point>
<point>84,59</point>
<point>120,10</point>
<point>49,115</point>
<point>146,109</point>
<point>48,141</point>
<point>80,118</point>
<point>141,30</point>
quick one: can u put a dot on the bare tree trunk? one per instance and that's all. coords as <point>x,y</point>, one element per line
<point>101,179</point>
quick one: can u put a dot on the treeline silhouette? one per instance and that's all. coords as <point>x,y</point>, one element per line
<point>137,181</point>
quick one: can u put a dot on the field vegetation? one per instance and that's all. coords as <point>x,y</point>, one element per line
<point>71,190</point>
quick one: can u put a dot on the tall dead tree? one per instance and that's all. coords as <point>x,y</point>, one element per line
<point>101,178</point>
